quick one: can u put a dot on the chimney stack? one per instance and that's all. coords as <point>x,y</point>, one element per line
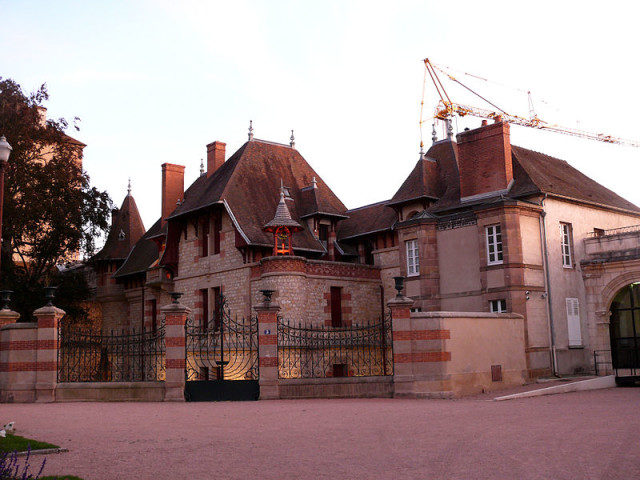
<point>172,188</point>
<point>215,156</point>
<point>484,160</point>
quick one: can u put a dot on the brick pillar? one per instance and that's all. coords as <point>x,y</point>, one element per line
<point>8,316</point>
<point>419,356</point>
<point>400,323</point>
<point>175,317</point>
<point>47,352</point>
<point>268,349</point>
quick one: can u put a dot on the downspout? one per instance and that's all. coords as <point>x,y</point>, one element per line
<point>547,282</point>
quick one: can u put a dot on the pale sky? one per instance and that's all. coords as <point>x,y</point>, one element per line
<point>155,81</point>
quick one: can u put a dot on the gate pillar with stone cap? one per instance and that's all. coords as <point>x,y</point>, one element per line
<point>48,318</point>
<point>175,317</point>
<point>418,353</point>
<point>8,316</point>
<point>268,347</point>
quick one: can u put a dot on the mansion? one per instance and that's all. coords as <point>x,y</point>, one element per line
<point>479,225</point>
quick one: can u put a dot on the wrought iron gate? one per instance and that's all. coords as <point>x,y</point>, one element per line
<point>222,358</point>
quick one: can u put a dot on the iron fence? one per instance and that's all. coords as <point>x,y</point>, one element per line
<point>308,351</point>
<point>85,355</point>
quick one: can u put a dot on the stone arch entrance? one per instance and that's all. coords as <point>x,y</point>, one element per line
<point>624,330</point>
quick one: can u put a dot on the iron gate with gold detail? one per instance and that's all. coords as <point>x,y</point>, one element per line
<point>222,358</point>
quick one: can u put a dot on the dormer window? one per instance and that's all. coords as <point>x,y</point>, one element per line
<point>121,235</point>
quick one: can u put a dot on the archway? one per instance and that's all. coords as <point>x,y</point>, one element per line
<point>624,329</point>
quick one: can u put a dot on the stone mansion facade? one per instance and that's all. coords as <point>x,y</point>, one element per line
<point>479,225</point>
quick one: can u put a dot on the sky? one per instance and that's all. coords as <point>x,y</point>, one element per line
<point>155,81</point>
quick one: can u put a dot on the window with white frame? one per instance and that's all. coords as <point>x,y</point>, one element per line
<point>413,259</point>
<point>573,322</point>
<point>494,244</point>
<point>567,250</point>
<point>498,306</point>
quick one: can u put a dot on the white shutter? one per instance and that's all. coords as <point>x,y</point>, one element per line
<point>573,322</point>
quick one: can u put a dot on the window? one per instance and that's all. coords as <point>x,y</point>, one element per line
<point>204,298</point>
<point>336,306</point>
<point>154,315</point>
<point>323,234</point>
<point>217,307</point>
<point>413,259</point>
<point>573,322</point>
<point>205,237</point>
<point>217,228</point>
<point>494,245</point>
<point>498,306</point>
<point>567,250</point>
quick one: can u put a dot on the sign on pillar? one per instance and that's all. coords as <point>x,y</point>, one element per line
<point>268,347</point>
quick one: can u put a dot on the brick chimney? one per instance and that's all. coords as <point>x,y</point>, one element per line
<point>172,188</point>
<point>215,156</point>
<point>484,160</point>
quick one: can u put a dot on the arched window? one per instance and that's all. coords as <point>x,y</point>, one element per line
<point>283,241</point>
<point>625,327</point>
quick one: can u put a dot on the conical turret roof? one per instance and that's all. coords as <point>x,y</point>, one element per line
<point>282,218</point>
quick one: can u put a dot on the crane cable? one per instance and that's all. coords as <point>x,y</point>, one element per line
<point>424,83</point>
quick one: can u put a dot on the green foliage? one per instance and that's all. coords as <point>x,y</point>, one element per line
<point>16,443</point>
<point>51,211</point>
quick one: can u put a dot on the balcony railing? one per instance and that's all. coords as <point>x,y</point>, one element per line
<point>614,231</point>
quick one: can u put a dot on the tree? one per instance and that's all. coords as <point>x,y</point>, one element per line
<point>51,212</point>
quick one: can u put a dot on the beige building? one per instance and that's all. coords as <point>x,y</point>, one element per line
<point>479,225</point>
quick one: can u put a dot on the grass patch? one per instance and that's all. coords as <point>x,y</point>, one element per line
<point>16,443</point>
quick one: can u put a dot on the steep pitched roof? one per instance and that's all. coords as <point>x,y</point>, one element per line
<point>249,183</point>
<point>422,182</point>
<point>550,175</point>
<point>372,218</point>
<point>126,229</point>
<point>143,254</point>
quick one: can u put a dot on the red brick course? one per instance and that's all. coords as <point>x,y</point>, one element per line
<point>422,335</point>
<point>421,357</point>
<point>268,362</point>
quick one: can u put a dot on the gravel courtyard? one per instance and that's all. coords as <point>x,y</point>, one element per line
<point>572,436</point>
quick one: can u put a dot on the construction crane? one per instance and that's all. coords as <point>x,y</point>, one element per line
<point>446,109</point>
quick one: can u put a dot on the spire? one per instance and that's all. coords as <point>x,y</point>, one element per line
<point>250,130</point>
<point>434,135</point>
<point>129,187</point>
<point>449,128</point>
<point>293,140</point>
<point>282,217</point>
<point>202,172</point>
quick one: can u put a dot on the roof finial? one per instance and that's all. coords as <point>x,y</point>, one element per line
<point>434,134</point>
<point>421,150</point>
<point>281,188</point>
<point>449,128</point>
<point>250,130</point>
<point>314,184</point>
<point>293,140</point>
<point>201,167</point>
<point>129,187</point>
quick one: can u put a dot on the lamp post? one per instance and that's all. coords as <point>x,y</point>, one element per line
<point>5,151</point>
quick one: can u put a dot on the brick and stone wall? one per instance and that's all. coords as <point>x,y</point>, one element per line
<point>303,289</point>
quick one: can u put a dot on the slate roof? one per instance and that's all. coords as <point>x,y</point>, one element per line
<point>365,220</point>
<point>249,182</point>
<point>126,229</point>
<point>282,218</point>
<point>144,253</point>
<point>422,182</point>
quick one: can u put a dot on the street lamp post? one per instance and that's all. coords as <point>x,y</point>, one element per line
<point>5,151</point>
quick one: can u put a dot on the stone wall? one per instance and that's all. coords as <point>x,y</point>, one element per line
<point>303,286</point>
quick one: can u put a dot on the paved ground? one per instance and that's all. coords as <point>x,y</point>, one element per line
<point>586,435</point>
